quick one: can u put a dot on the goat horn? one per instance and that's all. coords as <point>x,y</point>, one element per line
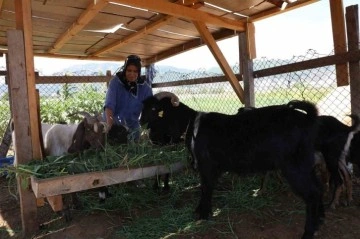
<point>91,119</point>
<point>174,99</point>
<point>96,128</point>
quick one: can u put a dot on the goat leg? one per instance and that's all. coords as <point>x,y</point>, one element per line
<point>262,189</point>
<point>204,209</point>
<point>346,176</point>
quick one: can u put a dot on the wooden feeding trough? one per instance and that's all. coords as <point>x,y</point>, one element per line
<point>79,182</point>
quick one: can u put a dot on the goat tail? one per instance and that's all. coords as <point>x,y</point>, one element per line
<point>306,106</point>
<point>356,122</point>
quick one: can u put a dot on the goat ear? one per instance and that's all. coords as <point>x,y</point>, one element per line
<point>77,143</point>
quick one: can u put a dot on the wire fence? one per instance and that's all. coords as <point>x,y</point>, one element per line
<point>317,85</point>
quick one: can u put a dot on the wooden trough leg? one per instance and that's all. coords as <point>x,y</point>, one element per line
<point>56,202</point>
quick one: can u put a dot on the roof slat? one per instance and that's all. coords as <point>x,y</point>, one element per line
<point>179,11</point>
<point>83,19</point>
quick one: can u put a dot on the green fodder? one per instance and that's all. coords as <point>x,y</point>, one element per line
<point>126,155</point>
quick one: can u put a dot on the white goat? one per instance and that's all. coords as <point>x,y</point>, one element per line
<point>57,138</point>
<point>60,139</point>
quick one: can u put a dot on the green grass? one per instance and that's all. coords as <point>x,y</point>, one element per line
<point>152,215</point>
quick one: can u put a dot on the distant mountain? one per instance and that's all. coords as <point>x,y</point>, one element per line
<point>101,68</point>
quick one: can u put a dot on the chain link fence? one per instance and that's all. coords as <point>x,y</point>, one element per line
<point>317,85</point>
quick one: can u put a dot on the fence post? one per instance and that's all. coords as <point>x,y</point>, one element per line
<point>352,23</point>
<point>246,68</point>
<point>108,73</point>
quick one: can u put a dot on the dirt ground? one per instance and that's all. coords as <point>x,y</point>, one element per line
<point>278,222</point>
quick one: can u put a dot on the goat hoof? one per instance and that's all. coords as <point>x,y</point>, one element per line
<point>333,205</point>
<point>316,234</point>
<point>78,206</point>
<point>201,216</point>
<point>166,189</point>
<point>67,215</point>
<point>155,187</point>
<point>321,220</point>
<point>42,226</point>
<point>347,203</point>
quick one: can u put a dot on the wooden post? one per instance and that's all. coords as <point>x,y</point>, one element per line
<point>40,201</point>
<point>352,23</point>
<point>339,38</point>
<point>24,23</point>
<point>22,139</point>
<point>108,73</point>
<point>24,108</point>
<point>247,51</point>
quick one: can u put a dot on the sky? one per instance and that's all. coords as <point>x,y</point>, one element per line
<point>282,36</point>
<point>289,34</point>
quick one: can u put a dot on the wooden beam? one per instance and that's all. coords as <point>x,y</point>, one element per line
<point>75,57</point>
<point>179,11</point>
<point>224,65</point>
<point>72,79</point>
<point>81,22</point>
<point>340,58</point>
<point>145,31</point>
<point>275,11</point>
<point>1,4</point>
<point>135,36</point>
<point>293,67</point>
<point>222,34</point>
<point>352,23</point>
<point>84,181</point>
<point>339,38</point>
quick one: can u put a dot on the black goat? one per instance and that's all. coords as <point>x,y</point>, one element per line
<point>160,138</point>
<point>333,146</point>
<point>268,138</point>
<point>354,152</point>
<point>333,142</point>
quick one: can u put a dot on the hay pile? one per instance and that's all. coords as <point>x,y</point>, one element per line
<point>127,156</point>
